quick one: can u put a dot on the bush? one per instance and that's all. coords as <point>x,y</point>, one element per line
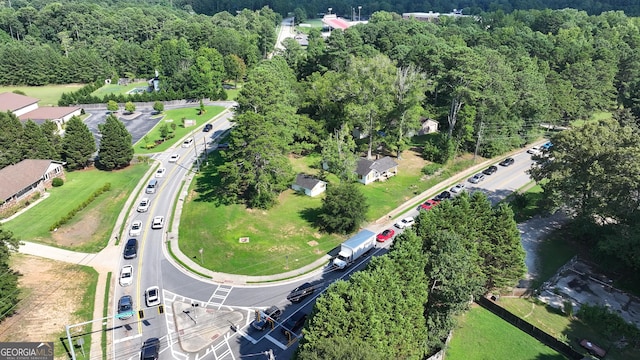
<point>57,182</point>
<point>65,219</point>
<point>431,169</point>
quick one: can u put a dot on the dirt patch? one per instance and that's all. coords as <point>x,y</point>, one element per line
<point>79,233</point>
<point>50,297</point>
<point>411,162</point>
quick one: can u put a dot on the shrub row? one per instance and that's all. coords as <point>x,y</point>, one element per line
<point>65,219</point>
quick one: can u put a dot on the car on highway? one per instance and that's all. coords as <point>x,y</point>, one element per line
<point>136,228</point>
<point>131,249</point>
<point>273,313</point>
<point>490,170</point>
<point>405,223</point>
<point>152,296</point>
<point>445,195</point>
<point>126,275</point>
<point>507,162</point>
<point>160,172</point>
<point>476,178</point>
<point>536,150</point>
<point>125,307</point>
<point>174,158</point>
<point>143,206</point>
<point>457,189</point>
<point>150,349</point>
<point>158,222</point>
<point>293,324</point>
<point>187,142</point>
<point>207,128</point>
<point>301,292</point>
<point>385,235</point>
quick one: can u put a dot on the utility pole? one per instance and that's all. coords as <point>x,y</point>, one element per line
<point>475,153</point>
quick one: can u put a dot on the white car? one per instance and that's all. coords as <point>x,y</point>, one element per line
<point>174,158</point>
<point>536,150</point>
<point>457,189</point>
<point>187,143</point>
<point>160,172</point>
<point>144,205</point>
<point>158,222</point>
<point>405,223</point>
<point>126,275</point>
<point>152,296</point>
<point>136,228</point>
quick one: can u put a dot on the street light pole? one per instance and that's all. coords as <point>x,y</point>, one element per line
<point>359,8</point>
<point>330,10</point>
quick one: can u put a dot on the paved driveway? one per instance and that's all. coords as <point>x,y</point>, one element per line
<point>138,124</point>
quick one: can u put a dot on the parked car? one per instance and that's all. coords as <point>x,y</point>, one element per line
<point>301,292</point>
<point>126,275</point>
<point>293,324</point>
<point>385,235</point>
<point>507,162</point>
<point>547,145</point>
<point>160,172</point>
<point>136,228</point>
<point>207,128</point>
<point>158,222</point>
<point>476,178</point>
<point>272,312</point>
<point>174,158</point>
<point>490,170</point>
<point>428,205</point>
<point>125,307</point>
<point>150,349</point>
<point>223,146</point>
<point>405,223</point>
<point>457,189</point>
<point>152,296</point>
<point>445,195</point>
<point>131,249</point>
<point>144,205</point>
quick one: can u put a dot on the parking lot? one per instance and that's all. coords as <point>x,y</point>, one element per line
<point>138,124</point>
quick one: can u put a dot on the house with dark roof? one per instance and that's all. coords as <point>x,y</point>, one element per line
<point>26,108</point>
<point>309,185</point>
<point>26,178</point>
<point>369,171</point>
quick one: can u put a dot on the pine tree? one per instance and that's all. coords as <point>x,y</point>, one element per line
<point>35,144</point>
<point>11,131</point>
<point>50,132</point>
<point>116,150</point>
<point>78,144</point>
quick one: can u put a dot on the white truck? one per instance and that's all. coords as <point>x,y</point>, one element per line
<point>354,248</point>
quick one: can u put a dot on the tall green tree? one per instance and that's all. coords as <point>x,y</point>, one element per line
<point>78,144</point>
<point>11,131</point>
<point>50,132</point>
<point>343,209</point>
<point>338,154</point>
<point>35,144</point>
<point>116,150</point>
<point>370,101</point>
<point>409,93</point>
<point>9,290</point>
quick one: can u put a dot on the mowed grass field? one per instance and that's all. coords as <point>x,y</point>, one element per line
<point>175,116</point>
<point>118,89</point>
<point>90,229</point>
<point>48,95</point>
<point>481,335</point>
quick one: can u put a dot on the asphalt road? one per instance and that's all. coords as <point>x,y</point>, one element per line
<point>152,268</point>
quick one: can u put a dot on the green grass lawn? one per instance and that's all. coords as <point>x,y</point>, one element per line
<point>48,95</point>
<point>482,335</point>
<point>280,239</point>
<point>118,89</point>
<point>99,217</point>
<point>175,116</point>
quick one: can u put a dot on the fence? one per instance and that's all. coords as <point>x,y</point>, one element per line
<point>530,329</point>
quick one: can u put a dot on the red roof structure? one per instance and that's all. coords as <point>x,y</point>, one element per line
<point>12,102</point>
<point>48,113</point>
<point>334,22</point>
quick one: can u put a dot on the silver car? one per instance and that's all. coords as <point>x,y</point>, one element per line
<point>476,178</point>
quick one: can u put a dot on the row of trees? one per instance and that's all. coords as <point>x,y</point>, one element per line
<point>77,147</point>
<point>457,251</point>
<point>80,42</point>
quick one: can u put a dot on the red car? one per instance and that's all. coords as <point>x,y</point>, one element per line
<point>428,205</point>
<point>385,235</point>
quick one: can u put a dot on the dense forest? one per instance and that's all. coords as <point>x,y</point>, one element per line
<point>345,7</point>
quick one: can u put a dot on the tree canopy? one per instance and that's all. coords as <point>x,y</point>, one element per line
<point>116,150</point>
<point>78,144</point>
